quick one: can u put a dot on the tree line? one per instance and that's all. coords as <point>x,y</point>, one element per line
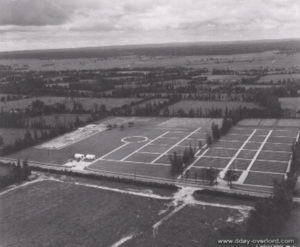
<point>16,173</point>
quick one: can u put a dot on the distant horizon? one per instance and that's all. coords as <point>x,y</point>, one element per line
<point>151,44</point>
<point>62,24</point>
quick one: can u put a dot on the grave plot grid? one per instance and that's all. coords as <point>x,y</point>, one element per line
<point>262,153</point>
<point>155,151</point>
<point>255,153</point>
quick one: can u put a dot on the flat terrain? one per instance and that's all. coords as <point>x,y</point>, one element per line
<point>70,215</point>
<point>271,59</point>
<point>11,135</point>
<point>147,140</point>
<point>58,119</point>
<point>187,105</point>
<point>259,150</point>
<point>87,103</point>
<point>258,153</point>
<point>290,103</point>
<point>50,213</point>
<point>280,78</point>
<point>192,226</point>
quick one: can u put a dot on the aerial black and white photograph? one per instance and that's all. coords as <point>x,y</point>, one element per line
<point>149,123</point>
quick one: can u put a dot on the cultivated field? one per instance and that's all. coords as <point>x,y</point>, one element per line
<point>58,119</point>
<point>11,135</point>
<point>271,59</point>
<point>87,103</point>
<point>70,215</point>
<point>187,105</point>
<point>152,101</point>
<point>223,78</point>
<point>290,103</point>
<point>80,214</point>
<point>280,78</point>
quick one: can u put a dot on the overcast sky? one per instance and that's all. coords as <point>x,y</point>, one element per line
<point>36,24</point>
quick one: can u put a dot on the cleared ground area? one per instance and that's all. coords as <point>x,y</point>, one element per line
<point>57,214</point>
<point>73,214</point>
<point>142,149</point>
<point>258,150</point>
<point>187,105</point>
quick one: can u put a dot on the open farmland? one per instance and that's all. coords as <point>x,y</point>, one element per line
<point>153,101</point>
<point>223,78</point>
<point>290,103</point>
<point>280,78</point>
<point>188,105</point>
<point>92,215</point>
<point>58,119</point>
<point>232,61</point>
<point>86,216</point>
<point>87,103</point>
<point>11,135</point>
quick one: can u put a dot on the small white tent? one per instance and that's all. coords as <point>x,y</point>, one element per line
<point>90,157</point>
<point>78,156</point>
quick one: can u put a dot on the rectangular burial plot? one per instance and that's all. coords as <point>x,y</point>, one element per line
<point>263,155</point>
<point>262,132</point>
<point>142,157</point>
<point>198,135</point>
<point>197,173</point>
<point>124,151</point>
<point>228,144</point>
<point>165,159</point>
<point>269,166</point>
<point>152,148</point>
<point>177,134</point>
<point>263,179</point>
<point>246,154</point>
<point>212,162</point>
<point>178,149</point>
<point>242,131</point>
<point>284,140</point>
<point>192,142</point>
<point>240,164</point>
<point>286,133</point>
<point>131,169</point>
<point>277,147</point>
<point>257,138</point>
<point>221,152</point>
<point>166,141</point>
<point>252,146</point>
<point>240,138</point>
